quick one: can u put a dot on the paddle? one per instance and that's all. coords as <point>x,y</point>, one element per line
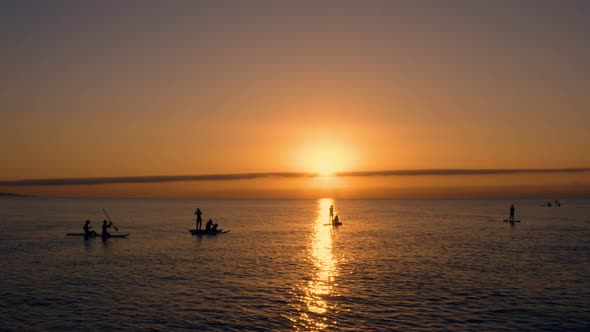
<point>105,213</point>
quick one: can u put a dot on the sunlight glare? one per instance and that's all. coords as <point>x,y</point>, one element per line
<point>326,168</point>
<point>315,307</point>
<point>322,284</point>
<point>325,158</point>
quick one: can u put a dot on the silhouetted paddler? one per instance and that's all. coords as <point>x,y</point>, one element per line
<point>106,225</point>
<point>209,225</point>
<point>331,212</point>
<point>87,231</point>
<point>199,220</point>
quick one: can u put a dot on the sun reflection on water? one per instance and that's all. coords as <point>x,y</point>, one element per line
<point>317,312</point>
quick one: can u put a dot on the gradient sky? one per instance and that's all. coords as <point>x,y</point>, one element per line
<point>139,88</point>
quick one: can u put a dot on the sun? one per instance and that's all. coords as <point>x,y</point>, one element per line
<point>325,167</point>
<point>325,158</point>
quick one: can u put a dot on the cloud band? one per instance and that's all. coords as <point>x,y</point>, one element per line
<point>249,176</point>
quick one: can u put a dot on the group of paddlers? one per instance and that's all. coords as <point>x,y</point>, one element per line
<point>105,225</point>
<point>209,227</point>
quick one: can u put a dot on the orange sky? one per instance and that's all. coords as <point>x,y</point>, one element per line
<point>176,88</point>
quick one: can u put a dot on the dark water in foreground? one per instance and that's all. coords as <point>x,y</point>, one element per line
<point>393,265</point>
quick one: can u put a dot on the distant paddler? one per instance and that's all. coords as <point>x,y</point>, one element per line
<point>87,231</point>
<point>199,220</point>
<point>331,212</point>
<point>209,225</point>
<point>106,225</point>
<point>336,221</point>
<point>511,218</point>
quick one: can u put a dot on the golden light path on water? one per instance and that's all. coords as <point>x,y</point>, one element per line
<point>314,315</point>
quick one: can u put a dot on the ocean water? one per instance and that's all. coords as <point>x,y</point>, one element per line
<point>394,265</point>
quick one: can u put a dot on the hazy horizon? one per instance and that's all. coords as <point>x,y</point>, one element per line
<point>424,184</point>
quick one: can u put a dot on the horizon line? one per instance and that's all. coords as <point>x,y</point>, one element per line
<point>249,176</point>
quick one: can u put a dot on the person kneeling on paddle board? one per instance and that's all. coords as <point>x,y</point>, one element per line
<point>87,231</point>
<point>209,225</point>
<point>105,233</point>
<point>335,221</point>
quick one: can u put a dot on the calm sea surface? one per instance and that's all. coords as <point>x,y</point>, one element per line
<point>394,265</point>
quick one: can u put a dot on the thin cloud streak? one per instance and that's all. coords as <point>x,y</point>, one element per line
<point>151,179</point>
<point>250,176</point>
<point>460,171</point>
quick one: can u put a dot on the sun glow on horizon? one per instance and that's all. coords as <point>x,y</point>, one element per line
<point>326,158</point>
<point>325,168</point>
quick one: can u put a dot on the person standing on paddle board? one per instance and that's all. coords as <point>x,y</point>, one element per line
<point>511,212</point>
<point>331,212</point>
<point>105,233</point>
<point>199,220</point>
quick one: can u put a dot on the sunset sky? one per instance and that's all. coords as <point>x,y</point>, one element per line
<point>151,88</point>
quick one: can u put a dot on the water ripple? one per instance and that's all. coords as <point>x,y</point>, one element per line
<point>393,265</point>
